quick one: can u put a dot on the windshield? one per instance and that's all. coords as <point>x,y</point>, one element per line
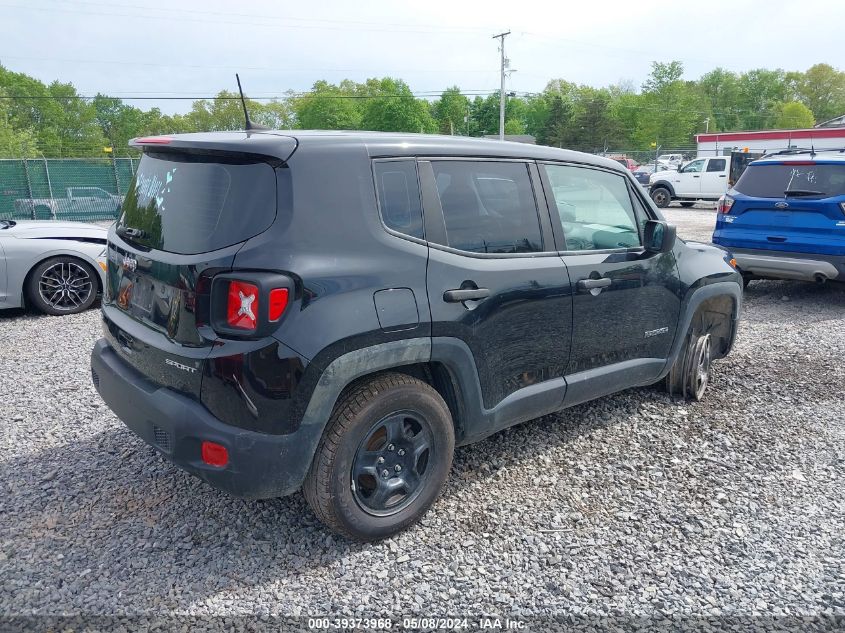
<point>188,204</point>
<point>776,180</point>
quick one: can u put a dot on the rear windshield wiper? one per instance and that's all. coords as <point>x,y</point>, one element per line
<point>802,192</point>
<point>131,233</point>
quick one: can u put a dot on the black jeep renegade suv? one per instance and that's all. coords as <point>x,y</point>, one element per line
<point>336,311</point>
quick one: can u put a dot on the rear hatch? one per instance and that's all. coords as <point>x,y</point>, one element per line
<point>185,216</point>
<point>790,206</point>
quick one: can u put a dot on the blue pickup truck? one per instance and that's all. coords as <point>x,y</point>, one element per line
<point>785,217</point>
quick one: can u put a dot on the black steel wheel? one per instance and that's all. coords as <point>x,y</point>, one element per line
<point>391,465</point>
<point>62,285</point>
<point>661,197</point>
<point>383,458</point>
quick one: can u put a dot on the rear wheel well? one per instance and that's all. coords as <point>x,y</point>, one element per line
<point>435,375</point>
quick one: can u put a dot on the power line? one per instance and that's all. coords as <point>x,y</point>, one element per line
<point>232,67</point>
<point>236,98</point>
<point>170,10</point>
<point>411,28</point>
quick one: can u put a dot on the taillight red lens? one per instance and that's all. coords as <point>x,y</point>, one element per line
<point>242,305</point>
<point>214,454</point>
<point>278,302</point>
<point>725,204</point>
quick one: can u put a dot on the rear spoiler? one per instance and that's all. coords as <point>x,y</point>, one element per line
<point>273,147</point>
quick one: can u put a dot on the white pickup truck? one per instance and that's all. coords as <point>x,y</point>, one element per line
<point>699,179</point>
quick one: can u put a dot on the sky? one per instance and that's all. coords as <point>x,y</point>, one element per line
<point>151,48</point>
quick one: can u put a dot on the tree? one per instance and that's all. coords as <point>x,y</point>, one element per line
<point>63,123</point>
<point>793,114</point>
<point>14,143</point>
<point>672,110</point>
<point>822,89</point>
<point>390,106</point>
<point>327,107</point>
<point>118,122</point>
<point>759,91</point>
<point>663,76</point>
<point>450,111</point>
<point>485,114</point>
<point>721,89</point>
<point>556,130</point>
<point>593,128</point>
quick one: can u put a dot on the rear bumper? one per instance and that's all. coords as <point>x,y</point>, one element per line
<point>799,266</point>
<point>260,465</point>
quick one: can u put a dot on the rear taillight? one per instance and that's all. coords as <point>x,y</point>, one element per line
<point>725,204</point>
<point>243,305</point>
<point>248,304</point>
<point>277,304</point>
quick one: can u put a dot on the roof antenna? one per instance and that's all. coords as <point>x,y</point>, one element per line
<point>249,124</point>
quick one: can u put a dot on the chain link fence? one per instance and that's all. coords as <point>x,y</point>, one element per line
<point>78,189</point>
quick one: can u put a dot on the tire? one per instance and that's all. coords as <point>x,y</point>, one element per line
<point>370,477</point>
<point>42,212</point>
<point>690,375</point>
<point>661,196</point>
<point>687,204</point>
<point>62,285</point>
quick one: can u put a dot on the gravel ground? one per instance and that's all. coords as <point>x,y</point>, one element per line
<point>630,505</point>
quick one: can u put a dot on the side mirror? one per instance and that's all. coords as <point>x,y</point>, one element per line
<point>659,236</point>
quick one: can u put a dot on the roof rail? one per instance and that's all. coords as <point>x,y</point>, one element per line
<point>804,150</point>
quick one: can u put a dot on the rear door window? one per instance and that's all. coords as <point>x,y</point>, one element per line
<point>188,204</point>
<point>488,206</point>
<point>776,180</point>
<point>717,164</point>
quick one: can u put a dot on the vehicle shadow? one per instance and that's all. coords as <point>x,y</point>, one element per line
<point>105,514</point>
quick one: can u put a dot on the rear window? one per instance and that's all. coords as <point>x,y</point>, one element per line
<point>187,204</point>
<point>773,180</point>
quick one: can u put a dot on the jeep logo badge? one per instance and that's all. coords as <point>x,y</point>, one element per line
<point>130,263</point>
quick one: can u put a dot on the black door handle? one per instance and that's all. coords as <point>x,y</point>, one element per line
<point>465,294</point>
<point>592,284</point>
<point>722,176</point>
<point>696,176</point>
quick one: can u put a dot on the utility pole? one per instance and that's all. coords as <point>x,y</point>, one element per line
<point>501,37</point>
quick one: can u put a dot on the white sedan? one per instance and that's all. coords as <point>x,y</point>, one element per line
<point>56,267</point>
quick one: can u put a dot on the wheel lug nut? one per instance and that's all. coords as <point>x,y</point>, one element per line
<point>400,452</point>
<point>385,473</point>
<point>381,460</point>
<point>397,468</point>
<point>390,447</point>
